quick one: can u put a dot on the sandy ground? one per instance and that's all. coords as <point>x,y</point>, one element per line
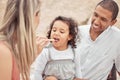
<point>80,10</point>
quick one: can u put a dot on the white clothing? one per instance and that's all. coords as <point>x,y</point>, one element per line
<point>47,55</point>
<point>61,69</point>
<point>95,58</point>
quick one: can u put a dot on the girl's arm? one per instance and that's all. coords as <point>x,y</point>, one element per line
<point>38,65</point>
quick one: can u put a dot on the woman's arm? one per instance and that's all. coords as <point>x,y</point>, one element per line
<point>41,43</point>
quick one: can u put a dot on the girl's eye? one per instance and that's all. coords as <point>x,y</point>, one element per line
<point>61,32</point>
<point>53,30</point>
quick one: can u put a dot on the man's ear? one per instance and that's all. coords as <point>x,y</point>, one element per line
<point>113,22</point>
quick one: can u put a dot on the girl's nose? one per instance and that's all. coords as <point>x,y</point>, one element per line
<point>56,33</point>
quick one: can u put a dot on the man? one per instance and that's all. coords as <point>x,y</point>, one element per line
<point>99,47</point>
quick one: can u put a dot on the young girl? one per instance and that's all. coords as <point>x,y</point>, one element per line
<point>57,58</point>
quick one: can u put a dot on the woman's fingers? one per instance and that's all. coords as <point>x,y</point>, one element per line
<point>42,42</point>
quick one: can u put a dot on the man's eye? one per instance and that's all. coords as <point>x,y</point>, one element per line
<point>95,15</point>
<point>103,19</point>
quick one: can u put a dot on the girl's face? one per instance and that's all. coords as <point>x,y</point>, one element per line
<point>60,33</point>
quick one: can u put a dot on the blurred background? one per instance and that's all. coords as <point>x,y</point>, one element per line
<point>79,10</point>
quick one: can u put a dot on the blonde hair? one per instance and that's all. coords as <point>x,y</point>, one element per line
<point>18,28</point>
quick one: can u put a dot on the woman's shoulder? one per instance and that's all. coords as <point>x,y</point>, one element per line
<point>4,51</point>
<point>5,61</point>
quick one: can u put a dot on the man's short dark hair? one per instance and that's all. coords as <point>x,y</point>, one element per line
<point>110,5</point>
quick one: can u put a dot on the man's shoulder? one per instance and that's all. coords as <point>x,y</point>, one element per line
<point>115,32</point>
<point>116,29</point>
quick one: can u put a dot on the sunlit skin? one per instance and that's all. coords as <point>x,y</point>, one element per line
<point>101,20</point>
<point>41,42</point>
<point>60,33</point>
<point>51,78</point>
<point>36,19</point>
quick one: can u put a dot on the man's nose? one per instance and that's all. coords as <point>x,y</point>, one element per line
<point>97,21</point>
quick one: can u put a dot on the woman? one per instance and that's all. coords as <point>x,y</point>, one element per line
<point>17,40</point>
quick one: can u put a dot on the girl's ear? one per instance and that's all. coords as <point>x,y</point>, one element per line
<point>70,37</point>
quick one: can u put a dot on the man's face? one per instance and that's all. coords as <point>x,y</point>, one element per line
<point>101,19</point>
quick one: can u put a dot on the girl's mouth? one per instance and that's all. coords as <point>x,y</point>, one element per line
<point>56,39</point>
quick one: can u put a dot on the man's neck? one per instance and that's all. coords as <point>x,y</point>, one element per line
<point>94,35</point>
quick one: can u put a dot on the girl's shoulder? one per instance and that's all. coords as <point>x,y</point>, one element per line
<point>46,50</point>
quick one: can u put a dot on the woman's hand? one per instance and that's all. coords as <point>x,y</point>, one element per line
<point>42,42</point>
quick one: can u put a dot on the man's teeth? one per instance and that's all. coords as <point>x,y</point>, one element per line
<point>96,26</point>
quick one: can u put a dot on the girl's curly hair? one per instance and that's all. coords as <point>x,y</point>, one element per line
<point>73,29</point>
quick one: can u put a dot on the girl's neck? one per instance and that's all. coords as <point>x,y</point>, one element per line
<point>61,48</point>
